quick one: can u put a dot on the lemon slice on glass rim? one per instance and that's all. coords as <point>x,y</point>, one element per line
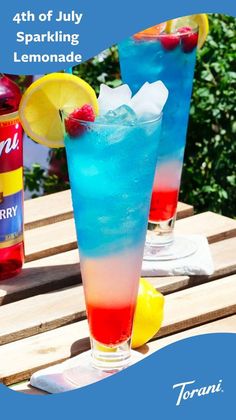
<point>41,102</point>
<point>200,20</point>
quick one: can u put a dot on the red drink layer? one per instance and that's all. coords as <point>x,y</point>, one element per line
<point>165,191</point>
<point>11,260</point>
<point>110,326</point>
<point>163,204</point>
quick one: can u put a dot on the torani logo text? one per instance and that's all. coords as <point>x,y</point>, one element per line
<point>186,392</point>
<point>9,144</point>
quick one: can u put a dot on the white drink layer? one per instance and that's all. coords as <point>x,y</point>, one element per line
<point>168,176</point>
<point>112,280</point>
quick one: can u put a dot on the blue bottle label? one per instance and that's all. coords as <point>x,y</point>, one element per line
<point>11,220</point>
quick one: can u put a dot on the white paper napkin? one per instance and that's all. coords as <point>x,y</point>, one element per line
<point>59,378</point>
<point>199,263</point>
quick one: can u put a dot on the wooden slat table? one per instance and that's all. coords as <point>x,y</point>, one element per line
<point>42,311</point>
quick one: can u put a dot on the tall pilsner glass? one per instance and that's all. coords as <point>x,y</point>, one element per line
<point>170,58</point>
<point>111,170</point>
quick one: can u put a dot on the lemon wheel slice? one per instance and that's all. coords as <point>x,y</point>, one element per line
<point>200,20</point>
<point>41,102</point>
<point>148,314</point>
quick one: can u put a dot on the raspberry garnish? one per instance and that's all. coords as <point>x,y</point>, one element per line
<point>189,42</point>
<point>74,127</point>
<point>188,39</point>
<point>169,42</point>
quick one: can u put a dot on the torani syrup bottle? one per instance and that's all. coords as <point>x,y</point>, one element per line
<point>11,180</point>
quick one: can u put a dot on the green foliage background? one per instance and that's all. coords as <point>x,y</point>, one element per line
<point>209,174</point>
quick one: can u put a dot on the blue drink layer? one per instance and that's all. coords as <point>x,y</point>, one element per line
<point>143,61</point>
<point>111,170</point>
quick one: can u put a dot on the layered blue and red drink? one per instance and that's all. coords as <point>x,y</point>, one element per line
<point>170,57</point>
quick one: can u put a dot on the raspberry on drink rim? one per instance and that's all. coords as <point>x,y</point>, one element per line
<point>197,21</point>
<point>74,122</point>
<point>189,41</point>
<point>167,32</point>
<point>169,41</point>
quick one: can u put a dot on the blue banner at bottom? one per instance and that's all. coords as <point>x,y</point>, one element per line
<point>189,379</point>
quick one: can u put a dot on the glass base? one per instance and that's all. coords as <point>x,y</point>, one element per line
<point>79,371</point>
<point>99,363</point>
<point>160,233</point>
<point>179,247</point>
<point>110,359</point>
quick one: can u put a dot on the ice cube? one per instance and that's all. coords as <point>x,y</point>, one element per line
<point>121,115</point>
<point>112,98</point>
<point>149,100</point>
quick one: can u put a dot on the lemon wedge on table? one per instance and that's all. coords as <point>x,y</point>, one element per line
<point>148,315</point>
<point>200,20</point>
<point>41,102</point>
